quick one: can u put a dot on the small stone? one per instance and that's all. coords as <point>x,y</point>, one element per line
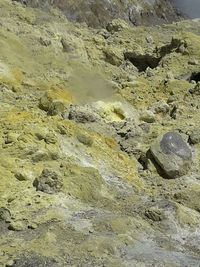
<point>149,72</point>
<point>172,154</point>
<point>194,138</point>
<point>104,33</point>
<point>33,226</point>
<point>117,25</point>
<point>154,214</point>
<point>148,116</point>
<point>160,107</point>
<point>196,89</point>
<point>149,39</point>
<point>16,226</point>
<point>40,155</point>
<point>10,263</point>
<point>21,176</point>
<point>193,62</point>
<point>171,99</point>
<point>54,101</point>
<point>50,138</point>
<point>11,138</point>
<point>5,214</point>
<point>85,139</point>
<point>170,76</point>
<point>44,41</point>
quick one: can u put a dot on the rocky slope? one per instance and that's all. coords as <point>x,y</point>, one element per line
<point>94,122</point>
<point>98,13</point>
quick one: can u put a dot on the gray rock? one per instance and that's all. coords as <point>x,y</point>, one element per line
<point>194,137</point>
<point>82,114</point>
<point>49,182</point>
<point>172,154</point>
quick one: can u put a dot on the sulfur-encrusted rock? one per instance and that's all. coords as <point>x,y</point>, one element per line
<point>117,25</point>
<point>172,154</point>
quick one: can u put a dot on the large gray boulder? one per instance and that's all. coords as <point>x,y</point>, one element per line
<point>172,154</point>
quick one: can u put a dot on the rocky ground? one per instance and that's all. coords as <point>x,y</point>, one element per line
<point>99,143</point>
<point>99,13</point>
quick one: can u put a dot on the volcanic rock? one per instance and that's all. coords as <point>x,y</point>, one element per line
<point>172,154</point>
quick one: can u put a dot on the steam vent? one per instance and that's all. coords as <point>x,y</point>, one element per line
<point>99,133</point>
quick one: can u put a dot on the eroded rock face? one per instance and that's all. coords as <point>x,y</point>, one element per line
<point>100,13</point>
<point>172,154</point>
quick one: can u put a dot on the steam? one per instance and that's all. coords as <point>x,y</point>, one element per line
<point>87,85</point>
<point>191,8</point>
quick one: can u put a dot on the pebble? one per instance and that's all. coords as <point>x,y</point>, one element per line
<point>10,263</point>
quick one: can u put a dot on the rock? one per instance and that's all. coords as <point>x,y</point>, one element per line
<point>149,39</point>
<point>170,76</point>
<point>11,138</point>
<point>50,138</point>
<point>111,111</point>
<point>53,108</point>
<point>44,41</point>
<point>194,137</point>
<point>52,153</point>
<point>117,25</point>
<point>5,214</point>
<point>82,114</point>
<point>10,263</point>
<point>16,226</point>
<point>148,116</point>
<point>160,107</point>
<point>195,90</point>
<point>48,182</point>
<point>193,62</point>
<point>98,13</point>
<point>33,226</point>
<point>22,176</point>
<point>171,99</point>
<point>172,154</point>
<point>113,56</point>
<point>85,139</point>
<point>154,214</point>
<point>54,101</point>
<point>149,72</point>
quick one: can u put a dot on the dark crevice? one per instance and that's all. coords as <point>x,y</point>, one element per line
<point>143,160</point>
<point>195,76</point>
<point>142,62</point>
<point>174,46</point>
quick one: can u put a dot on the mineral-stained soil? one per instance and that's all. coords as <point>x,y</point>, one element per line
<point>80,109</point>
